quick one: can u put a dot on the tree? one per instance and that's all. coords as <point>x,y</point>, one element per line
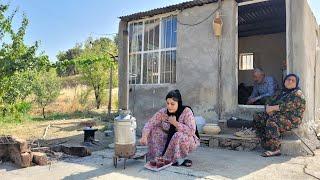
<point>17,87</point>
<point>65,63</point>
<point>46,88</point>
<point>18,62</point>
<point>95,63</point>
<point>111,82</point>
<point>15,56</point>
<point>5,22</point>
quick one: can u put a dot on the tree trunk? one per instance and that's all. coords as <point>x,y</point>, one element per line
<point>43,114</point>
<point>97,95</point>
<point>110,93</point>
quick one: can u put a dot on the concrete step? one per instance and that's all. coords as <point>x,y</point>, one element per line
<point>292,146</point>
<point>229,141</point>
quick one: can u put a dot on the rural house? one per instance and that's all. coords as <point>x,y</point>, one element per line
<point>178,47</point>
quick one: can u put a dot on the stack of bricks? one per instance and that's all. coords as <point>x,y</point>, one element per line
<point>18,151</point>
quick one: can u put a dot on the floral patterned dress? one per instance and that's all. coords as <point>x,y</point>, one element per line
<point>183,142</point>
<point>270,127</point>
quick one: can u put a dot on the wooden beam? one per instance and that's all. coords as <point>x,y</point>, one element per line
<point>251,2</point>
<point>261,32</point>
<point>262,25</point>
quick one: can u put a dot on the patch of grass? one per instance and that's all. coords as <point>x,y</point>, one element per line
<point>71,100</point>
<point>14,119</point>
<point>64,114</point>
<point>71,81</point>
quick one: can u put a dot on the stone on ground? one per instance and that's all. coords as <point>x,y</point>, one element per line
<point>40,158</point>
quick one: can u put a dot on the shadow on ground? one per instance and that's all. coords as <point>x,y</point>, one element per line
<point>207,163</point>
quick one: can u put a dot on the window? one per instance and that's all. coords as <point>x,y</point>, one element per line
<point>152,51</point>
<point>246,61</point>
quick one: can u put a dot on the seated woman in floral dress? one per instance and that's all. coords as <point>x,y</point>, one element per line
<point>171,132</point>
<point>283,112</point>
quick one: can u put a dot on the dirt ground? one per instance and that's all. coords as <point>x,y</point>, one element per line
<point>64,116</point>
<point>60,132</point>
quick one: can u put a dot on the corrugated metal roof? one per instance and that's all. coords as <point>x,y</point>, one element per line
<point>171,8</point>
<point>257,18</point>
<point>262,18</point>
<point>180,6</point>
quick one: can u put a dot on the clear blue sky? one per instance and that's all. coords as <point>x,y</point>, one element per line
<point>60,24</point>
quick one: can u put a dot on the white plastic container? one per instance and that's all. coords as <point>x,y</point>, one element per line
<point>200,121</point>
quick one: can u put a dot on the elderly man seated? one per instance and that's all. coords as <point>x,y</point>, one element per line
<point>264,87</point>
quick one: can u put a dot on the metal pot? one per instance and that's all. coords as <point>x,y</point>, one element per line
<point>125,134</point>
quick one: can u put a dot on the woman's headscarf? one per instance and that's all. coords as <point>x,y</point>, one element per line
<point>285,91</point>
<point>176,96</point>
<point>297,83</point>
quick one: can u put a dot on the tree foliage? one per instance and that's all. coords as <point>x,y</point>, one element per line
<point>46,88</point>
<point>18,62</point>
<point>66,65</point>
<point>95,63</point>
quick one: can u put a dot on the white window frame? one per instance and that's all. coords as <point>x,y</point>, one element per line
<point>159,50</point>
<point>247,68</point>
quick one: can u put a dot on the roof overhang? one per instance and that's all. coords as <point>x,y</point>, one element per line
<point>167,9</point>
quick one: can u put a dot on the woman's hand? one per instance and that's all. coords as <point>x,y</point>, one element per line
<point>172,120</point>
<point>144,140</point>
<point>271,109</point>
<point>268,110</point>
<point>164,117</point>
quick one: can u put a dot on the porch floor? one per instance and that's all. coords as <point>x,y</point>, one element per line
<point>208,163</point>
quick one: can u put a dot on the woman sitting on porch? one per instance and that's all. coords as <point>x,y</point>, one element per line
<point>171,132</point>
<point>284,111</point>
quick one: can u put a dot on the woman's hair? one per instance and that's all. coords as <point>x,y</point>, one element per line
<point>175,95</point>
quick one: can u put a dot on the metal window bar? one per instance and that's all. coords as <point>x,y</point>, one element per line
<point>141,57</point>
<point>136,70</point>
<point>170,80</point>
<point>153,37</point>
<point>147,68</point>
<point>148,35</point>
<point>163,32</point>
<point>160,47</point>
<point>134,38</point>
<point>240,62</point>
<point>171,33</point>
<point>246,62</point>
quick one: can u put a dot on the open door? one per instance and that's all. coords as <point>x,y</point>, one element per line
<point>261,44</point>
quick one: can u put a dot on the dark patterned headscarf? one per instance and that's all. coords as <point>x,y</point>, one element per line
<point>297,83</point>
<point>176,96</point>
<point>285,91</point>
